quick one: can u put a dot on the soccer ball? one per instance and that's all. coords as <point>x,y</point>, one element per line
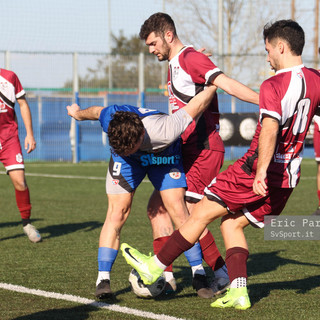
<point>145,291</point>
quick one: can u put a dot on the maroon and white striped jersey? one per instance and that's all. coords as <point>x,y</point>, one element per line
<point>189,72</point>
<point>292,97</point>
<point>10,90</point>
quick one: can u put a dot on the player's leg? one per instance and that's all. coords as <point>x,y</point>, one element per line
<point>173,200</point>
<point>201,169</point>
<point>236,259</point>
<point>11,157</point>
<point>162,228</point>
<point>150,268</point>
<point>119,206</point>
<point>316,144</point>
<point>123,177</point>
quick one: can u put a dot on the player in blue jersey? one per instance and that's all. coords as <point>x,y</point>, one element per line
<point>143,142</point>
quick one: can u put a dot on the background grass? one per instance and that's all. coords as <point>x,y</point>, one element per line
<point>284,276</point>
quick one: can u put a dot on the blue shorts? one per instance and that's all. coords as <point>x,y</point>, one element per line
<point>164,169</point>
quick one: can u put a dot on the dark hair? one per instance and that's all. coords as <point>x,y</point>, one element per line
<point>159,23</point>
<point>124,131</point>
<point>287,30</point>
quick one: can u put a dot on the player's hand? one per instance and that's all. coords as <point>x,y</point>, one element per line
<point>202,50</point>
<point>259,185</point>
<point>73,109</point>
<point>29,143</point>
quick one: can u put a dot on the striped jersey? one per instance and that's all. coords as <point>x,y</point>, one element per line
<point>292,97</point>
<point>10,90</point>
<point>189,72</point>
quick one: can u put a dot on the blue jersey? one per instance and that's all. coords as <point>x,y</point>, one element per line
<point>107,113</point>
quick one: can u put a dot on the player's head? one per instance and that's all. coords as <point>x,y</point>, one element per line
<point>125,133</point>
<point>288,31</point>
<point>284,39</point>
<point>158,31</point>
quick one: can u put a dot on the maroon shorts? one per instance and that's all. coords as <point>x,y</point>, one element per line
<point>316,142</point>
<point>11,154</point>
<point>233,189</point>
<point>200,167</point>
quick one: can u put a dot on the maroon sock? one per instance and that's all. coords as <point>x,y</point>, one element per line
<point>210,252</point>
<point>157,246</point>
<point>23,203</point>
<point>173,248</point>
<point>236,261</point>
<point>319,197</point>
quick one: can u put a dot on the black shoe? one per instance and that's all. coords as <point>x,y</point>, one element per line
<point>103,290</point>
<point>200,284</point>
<point>317,212</point>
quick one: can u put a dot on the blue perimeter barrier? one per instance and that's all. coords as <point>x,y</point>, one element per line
<point>51,126</point>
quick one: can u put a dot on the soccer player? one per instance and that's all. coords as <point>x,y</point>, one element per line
<point>259,183</point>
<point>143,142</point>
<point>11,91</point>
<point>203,151</point>
<point>316,145</point>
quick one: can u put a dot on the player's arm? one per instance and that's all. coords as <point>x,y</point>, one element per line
<point>267,143</point>
<point>91,113</point>
<point>29,141</point>
<point>200,102</point>
<point>236,89</point>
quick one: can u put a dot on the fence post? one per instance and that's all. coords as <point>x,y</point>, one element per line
<point>141,99</point>
<point>7,60</point>
<point>74,130</point>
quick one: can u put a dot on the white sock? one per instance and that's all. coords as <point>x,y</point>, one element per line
<point>103,275</point>
<point>159,263</point>
<point>222,272</point>
<point>168,275</point>
<point>198,270</point>
<point>240,282</point>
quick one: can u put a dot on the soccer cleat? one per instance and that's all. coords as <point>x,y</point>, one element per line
<point>170,286</point>
<point>145,265</point>
<point>235,297</point>
<point>220,285</point>
<point>317,212</point>
<point>103,290</point>
<point>32,233</point>
<point>200,284</point>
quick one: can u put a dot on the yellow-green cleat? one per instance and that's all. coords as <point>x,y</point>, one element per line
<point>145,265</point>
<point>237,298</point>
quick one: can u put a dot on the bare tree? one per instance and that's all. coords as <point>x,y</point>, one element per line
<point>244,58</point>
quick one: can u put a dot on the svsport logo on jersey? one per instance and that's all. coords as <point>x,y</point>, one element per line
<point>151,159</point>
<point>3,107</point>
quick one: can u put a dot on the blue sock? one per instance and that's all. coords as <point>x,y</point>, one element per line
<point>106,258</point>
<point>194,255</point>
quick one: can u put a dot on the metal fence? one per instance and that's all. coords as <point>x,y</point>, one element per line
<point>55,80</point>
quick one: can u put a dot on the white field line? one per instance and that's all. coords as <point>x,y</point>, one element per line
<point>63,176</point>
<point>93,303</point>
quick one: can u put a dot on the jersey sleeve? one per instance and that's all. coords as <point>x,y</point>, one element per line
<point>200,67</point>
<point>163,129</point>
<point>270,102</point>
<point>19,91</point>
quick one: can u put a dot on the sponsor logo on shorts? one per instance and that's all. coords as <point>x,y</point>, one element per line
<point>175,174</point>
<point>151,159</point>
<point>19,157</point>
<point>115,182</point>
